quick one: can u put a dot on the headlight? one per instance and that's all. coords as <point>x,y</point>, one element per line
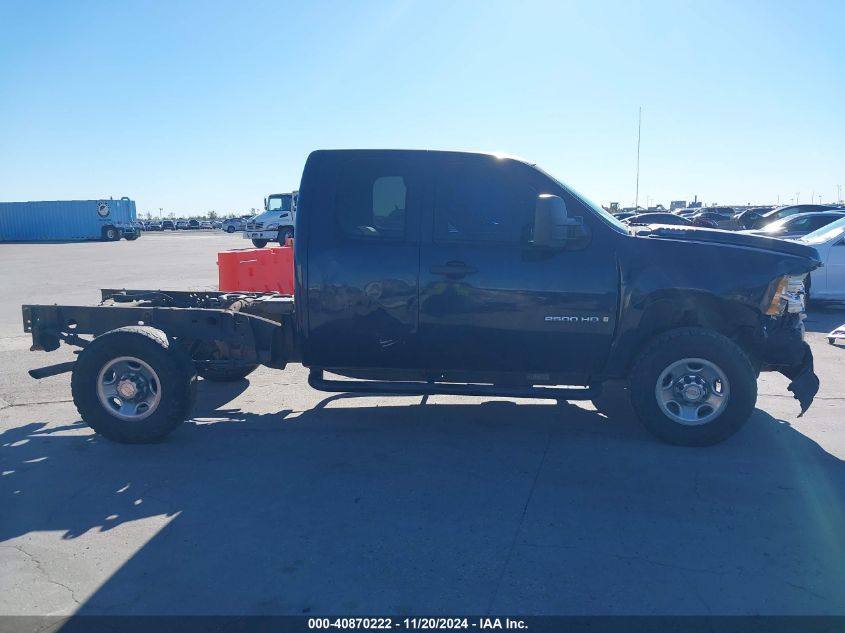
<point>788,294</point>
<point>272,227</point>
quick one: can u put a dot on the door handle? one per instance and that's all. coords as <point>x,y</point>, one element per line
<point>453,269</point>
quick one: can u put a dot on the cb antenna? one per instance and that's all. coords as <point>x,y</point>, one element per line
<point>639,134</point>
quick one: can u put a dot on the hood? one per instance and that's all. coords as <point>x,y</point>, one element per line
<point>730,239</point>
<point>276,214</point>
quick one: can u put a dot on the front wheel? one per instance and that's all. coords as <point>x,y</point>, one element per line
<point>132,386</point>
<point>284,234</point>
<point>693,387</point>
<point>230,229</point>
<point>132,238</point>
<point>259,243</point>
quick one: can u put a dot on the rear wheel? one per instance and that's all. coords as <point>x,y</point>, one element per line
<point>693,387</point>
<point>259,243</point>
<point>110,234</point>
<point>230,229</point>
<point>132,386</point>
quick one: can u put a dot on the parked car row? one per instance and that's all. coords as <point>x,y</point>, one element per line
<point>786,222</point>
<point>173,225</point>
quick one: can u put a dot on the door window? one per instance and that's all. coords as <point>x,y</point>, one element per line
<point>483,203</point>
<point>799,224</point>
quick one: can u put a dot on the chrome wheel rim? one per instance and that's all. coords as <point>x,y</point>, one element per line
<point>128,388</point>
<point>692,391</point>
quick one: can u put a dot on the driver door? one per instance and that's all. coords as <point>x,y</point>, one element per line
<point>490,302</point>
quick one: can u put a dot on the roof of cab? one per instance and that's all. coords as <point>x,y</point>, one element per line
<point>499,155</point>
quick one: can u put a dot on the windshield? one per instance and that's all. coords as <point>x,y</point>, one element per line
<point>278,203</point>
<point>608,218</point>
<point>825,234</point>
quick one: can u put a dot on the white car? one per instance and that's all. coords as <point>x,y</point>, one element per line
<point>828,282</point>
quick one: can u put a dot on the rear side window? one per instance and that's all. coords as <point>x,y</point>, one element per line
<point>483,202</point>
<point>372,199</point>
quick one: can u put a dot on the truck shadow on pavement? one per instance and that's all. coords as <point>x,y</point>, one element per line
<point>446,508</point>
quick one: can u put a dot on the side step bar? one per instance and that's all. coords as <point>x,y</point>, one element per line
<point>317,381</point>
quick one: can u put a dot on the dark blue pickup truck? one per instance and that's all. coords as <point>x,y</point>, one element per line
<point>425,272</point>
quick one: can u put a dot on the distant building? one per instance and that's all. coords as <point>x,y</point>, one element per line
<point>677,204</point>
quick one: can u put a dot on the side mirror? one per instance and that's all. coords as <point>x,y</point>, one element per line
<point>553,228</point>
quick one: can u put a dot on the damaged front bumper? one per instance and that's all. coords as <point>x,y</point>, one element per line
<point>781,347</point>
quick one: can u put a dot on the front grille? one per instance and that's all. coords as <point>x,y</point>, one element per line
<point>255,226</point>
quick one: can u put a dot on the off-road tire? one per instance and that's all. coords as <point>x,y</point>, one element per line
<point>678,344</point>
<point>259,243</point>
<point>176,374</point>
<point>230,374</point>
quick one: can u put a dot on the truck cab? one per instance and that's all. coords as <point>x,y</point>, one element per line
<point>276,223</point>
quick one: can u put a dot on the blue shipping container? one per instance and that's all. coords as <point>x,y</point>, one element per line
<point>64,220</point>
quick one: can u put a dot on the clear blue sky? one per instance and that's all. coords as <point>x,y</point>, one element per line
<point>192,106</point>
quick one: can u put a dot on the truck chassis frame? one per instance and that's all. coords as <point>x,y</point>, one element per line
<point>252,327</point>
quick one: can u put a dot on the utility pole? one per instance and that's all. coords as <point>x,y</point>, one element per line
<point>639,134</point>
<point>839,194</point>
<point>159,212</point>
<point>797,197</point>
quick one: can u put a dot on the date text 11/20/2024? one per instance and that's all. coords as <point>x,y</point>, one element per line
<point>417,623</point>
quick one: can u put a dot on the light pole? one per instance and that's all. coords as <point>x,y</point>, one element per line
<point>159,212</point>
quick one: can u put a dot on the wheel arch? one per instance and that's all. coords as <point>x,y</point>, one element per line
<point>673,309</point>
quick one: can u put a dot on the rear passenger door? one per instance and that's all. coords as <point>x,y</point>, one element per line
<point>363,267</point>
